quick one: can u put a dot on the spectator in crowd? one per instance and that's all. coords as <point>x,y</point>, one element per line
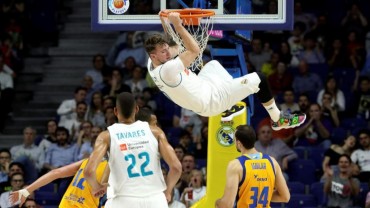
<point>286,135</point>
<point>329,111</point>
<point>186,141</point>
<point>284,53</point>
<point>73,124</point>
<point>30,203</point>
<point>188,164</point>
<point>46,140</point>
<point>306,81</point>
<point>108,101</point>
<point>322,31</point>
<point>189,118</point>
<point>88,146</point>
<point>270,67</point>
<point>311,53</point>
<point>87,83</point>
<point>354,20</point>
<point>148,97</point>
<point>95,111</point>
<point>14,167</point>
<point>7,94</point>
<point>361,99</point>
<point>337,56</point>
<point>338,100</point>
<point>62,153</point>
<point>17,182</point>
<point>296,42</point>
<point>258,56</point>
<point>196,189</point>
<point>115,84</point>
<point>332,155</point>
<point>280,80</point>
<point>316,129</point>
<point>110,118</point>
<point>135,48</point>
<point>67,109</point>
<point>309,20</point>
<point>5,159</point>
<point>128,67</point>
<point>360,157</point>
<point>274,147</point>
<point>31,156</point>
<point>180,152</point>
<point>97,72</point>
<point>84,133</point>
<point>341,188</point>
<point>304,103</point>
<point>201,143</point>
<point>353,43</point>
<point>289,105</point>
<point>137,83</point>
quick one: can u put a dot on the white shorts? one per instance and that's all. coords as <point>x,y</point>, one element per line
<point>226,91</point>
<point>154,201</point>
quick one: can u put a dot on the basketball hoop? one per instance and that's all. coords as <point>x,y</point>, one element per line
<point>198,22</point>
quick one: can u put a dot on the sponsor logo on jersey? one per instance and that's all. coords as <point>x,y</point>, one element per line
<point>118,6</point>
<point>123,147</point>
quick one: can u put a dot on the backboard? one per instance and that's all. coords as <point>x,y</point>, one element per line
<point>132,15</point>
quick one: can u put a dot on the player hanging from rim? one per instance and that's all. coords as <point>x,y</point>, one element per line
<point>213,90</point>
<point>255,178</point>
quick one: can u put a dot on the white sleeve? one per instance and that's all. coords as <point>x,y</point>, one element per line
<point>341,101</point>
<point>354,156</point>
<point>170,71</point>
<point>7,69</point>
<point>319,97</point>
<point>65,108</point>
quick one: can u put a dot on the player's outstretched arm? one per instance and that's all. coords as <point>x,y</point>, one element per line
<point>281,192</point>
<point>169,156</point>
<point>100,149</point>
<point>191,46</point>
<point>62,172</point>
<point>234,169</point>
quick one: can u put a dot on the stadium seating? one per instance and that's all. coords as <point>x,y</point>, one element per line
<point>317,189</point>
<point>302,170</point>
<point>295,187</point>
<point>301,200</point>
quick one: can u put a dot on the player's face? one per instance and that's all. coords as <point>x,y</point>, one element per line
<point>162,53</point>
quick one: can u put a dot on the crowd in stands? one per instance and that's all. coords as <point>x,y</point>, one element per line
<point>321,68</point>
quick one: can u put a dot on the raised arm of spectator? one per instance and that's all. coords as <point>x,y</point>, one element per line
<point>67,107</point>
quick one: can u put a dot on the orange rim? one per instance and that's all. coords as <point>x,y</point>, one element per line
<point>190,13</point>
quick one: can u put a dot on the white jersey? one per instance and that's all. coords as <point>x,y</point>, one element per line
<point>187,92</point>
<point>209,93</point>
<point>134,161</point>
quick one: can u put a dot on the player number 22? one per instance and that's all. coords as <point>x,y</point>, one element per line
<point>132,160</point>
<point>259,197</point>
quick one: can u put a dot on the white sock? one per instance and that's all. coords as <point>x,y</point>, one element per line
<point>274,111</point>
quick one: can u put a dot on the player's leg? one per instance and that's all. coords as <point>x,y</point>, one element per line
<point>257,83</point>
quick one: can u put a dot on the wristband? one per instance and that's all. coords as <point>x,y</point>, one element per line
<point>23,192</point>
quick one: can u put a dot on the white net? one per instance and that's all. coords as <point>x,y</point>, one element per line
<point>200,34</point>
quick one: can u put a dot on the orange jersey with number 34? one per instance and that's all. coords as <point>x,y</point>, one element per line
<point>258,181</point>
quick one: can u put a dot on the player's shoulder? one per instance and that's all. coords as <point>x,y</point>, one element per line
<point>235,165</point>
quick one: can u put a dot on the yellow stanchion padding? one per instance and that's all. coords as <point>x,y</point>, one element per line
<point>221,150</point>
